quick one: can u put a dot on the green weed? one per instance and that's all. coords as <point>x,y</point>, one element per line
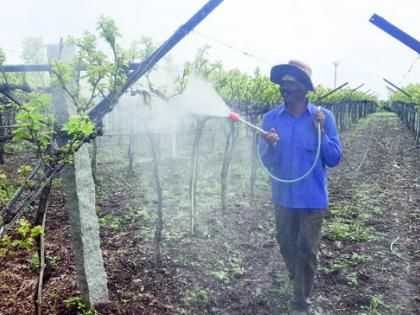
<point>146,233</point>
<point>137,213</point>
<point>230,269</point>
<point>34,261</point>
<point>285,287</point>
<point>76,304</point>
<point>26,238</point>
<point>352,278</point>
<point>198,295</point>
<point>221,276</point>
<point>110,222</point>
<point>375,306</point>
<point>340,230</point>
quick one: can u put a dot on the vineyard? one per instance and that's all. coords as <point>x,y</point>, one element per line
<point>125,188</point>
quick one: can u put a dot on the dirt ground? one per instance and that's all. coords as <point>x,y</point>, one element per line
<point>369,257</point>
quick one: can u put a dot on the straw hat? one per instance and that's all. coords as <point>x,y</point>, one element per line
<point>293,71</point>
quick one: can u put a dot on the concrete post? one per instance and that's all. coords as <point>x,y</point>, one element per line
<point>79,191</point>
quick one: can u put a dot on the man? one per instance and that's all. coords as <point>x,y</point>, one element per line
<point>288,152</point>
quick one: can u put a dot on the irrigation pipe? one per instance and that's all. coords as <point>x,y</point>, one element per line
<point>364,156</point>
<point>398,255</point>
<point>392,244</point>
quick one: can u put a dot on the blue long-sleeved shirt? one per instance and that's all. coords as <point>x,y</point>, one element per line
<point>294,154</point>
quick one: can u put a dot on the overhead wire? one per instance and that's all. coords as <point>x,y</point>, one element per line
<point>245,53</point>
<point>409,69</point>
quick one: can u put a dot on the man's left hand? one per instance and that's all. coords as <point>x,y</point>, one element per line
<point>319,117</point>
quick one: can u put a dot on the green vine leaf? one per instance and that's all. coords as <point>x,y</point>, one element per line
<point>79,126</point>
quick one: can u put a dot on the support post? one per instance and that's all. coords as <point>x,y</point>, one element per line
<point>79,191</point>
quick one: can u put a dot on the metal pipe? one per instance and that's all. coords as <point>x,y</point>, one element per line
<point>399,89</point>
<point>46,68</point>
<point>391,89</point>
<point>98,112</point>
<point>184,30</point>
<point>331,92</point>
<point>355,89</point>
<point>258,129</point>
<point>395,32</point>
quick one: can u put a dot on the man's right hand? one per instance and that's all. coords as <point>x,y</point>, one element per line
<point>272,137</point>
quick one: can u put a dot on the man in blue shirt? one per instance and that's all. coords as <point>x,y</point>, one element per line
<point>288,152</point>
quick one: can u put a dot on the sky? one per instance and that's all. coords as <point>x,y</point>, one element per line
<point>243,34</point>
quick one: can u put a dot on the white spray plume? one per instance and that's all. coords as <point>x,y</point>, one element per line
<point>200,98</point>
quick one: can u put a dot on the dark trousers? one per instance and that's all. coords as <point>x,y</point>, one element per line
<point>298,234</point>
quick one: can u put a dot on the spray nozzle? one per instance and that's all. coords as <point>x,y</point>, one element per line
<point>234,116</point>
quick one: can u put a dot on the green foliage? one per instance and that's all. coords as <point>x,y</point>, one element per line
<point>102,74</point>
<point>24,170</point>
<point>27,235</point>
<point>33,50</point>
<point>238,89</point>
<point>6,189</point>
<point>136,213</point>
<point>411,89</point>
<point>64,73</point>
<point>79,126</point>
<point>255,93</point>
<point>26,238</point>
<point>375,307</point>
<point>110,222</point>
<point>2,57</point>
<point>34,262</point>
<point>229,270</point>
<point>5,246</point>
<point>146,233</point>
<point>311,96</point>
<point>342,230</point>
<point>221,276</point>
<point>197,295</point>
<point>141,48</point>
<point>33,53</point>
<point>344,94</point>
<point>108,30</point>
<point>285,287</point>
<point>250,92</point>
<point>35,124</point>
<point>76,304</point>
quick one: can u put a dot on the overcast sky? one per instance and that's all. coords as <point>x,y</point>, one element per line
<point>316,32</point>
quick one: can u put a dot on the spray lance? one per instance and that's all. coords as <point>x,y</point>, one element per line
<point>234,117</point>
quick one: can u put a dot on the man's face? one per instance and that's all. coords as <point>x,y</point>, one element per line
<point>292,91</point>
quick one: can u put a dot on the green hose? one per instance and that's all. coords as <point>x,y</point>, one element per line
<point>295,180</point>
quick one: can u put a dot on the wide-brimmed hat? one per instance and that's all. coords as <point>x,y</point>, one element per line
<point>298,70</point>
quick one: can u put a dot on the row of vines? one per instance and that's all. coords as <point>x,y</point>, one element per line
<point>406,103</point>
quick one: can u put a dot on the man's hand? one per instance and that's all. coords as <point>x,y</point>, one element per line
<point>272,137</point>
<point>319,117</point>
